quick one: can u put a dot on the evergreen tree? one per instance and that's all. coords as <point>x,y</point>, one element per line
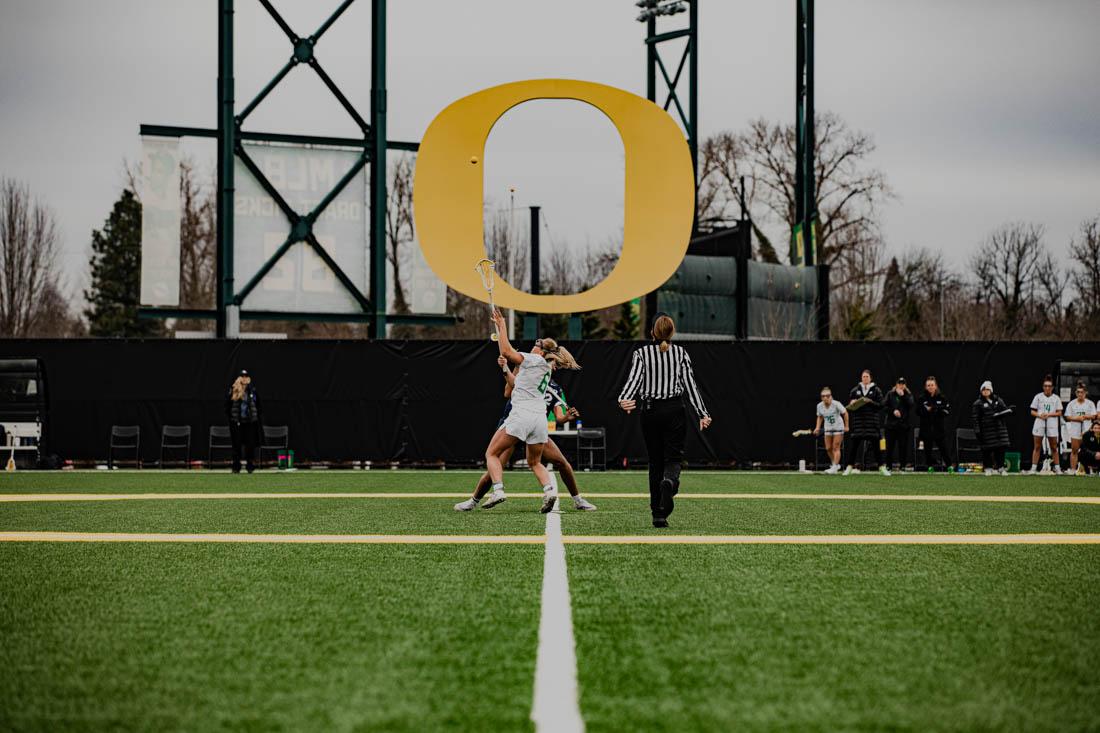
<point>116,274</point>
<point>626,328</point>
<point>592,328</point>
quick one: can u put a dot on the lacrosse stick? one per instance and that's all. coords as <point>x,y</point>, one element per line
<point>486,268</point>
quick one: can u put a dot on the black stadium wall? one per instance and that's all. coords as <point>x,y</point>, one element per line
<point>439,401</point>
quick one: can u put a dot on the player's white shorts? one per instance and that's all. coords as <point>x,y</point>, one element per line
<point>835,432</point>
<point>1075,430</point>
<point>531,429</point>
<point>1045,428</point>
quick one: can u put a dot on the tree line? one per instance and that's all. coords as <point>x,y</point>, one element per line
<point>1016,285</point>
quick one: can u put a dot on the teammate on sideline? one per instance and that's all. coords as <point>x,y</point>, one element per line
<point>834,419</point>
<point>1080,414</point>
<point>555,403</point>
<point>1046,408</point>
<point>527,419</point>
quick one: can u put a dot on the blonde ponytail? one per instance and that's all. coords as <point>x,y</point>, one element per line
<point>558,356</point>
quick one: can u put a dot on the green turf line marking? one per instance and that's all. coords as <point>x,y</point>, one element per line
<point>10,498</point>
<point>414,539</point>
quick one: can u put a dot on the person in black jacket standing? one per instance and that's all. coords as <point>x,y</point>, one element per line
<point>932,409</point>
<point>989,412</point>
<point>899,406</point>
<point>865,421</point>
<point>242,407</point>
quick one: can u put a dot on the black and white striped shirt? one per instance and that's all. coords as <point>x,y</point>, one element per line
<point>659,376</point>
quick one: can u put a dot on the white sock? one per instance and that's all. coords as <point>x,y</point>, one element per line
<point>498,487</point>
<point>549,489</point>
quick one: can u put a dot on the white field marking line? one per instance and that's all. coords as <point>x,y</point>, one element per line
<point>160,496</point>
<point>305,539</point>
<point>412,539</point>
<point>556,707</point>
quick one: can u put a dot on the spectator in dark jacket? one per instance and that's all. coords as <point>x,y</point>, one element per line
<point>1089,453</point>
<point>989,412</point>
<point>932,409</point>
<point>242,407</point>
<point>865,421</point>
<point>899,406</point>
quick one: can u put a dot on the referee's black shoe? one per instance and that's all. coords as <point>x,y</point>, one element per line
<point>668,490</point>
<point>660,522</point>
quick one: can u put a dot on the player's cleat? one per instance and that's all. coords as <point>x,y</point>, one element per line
<point>583,505</point>
<point>833,469</point>
<point>548,502</point>
<point>497,497</point>
<point>1058,470</point>
<point>1004,471</point>
<point>884,471</point>
<point>1033,470</point>
<point>466,506</point>
<point>668,490</point>
<point>990,472</point>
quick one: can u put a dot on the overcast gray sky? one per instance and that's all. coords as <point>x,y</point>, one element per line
<point>983,112</point>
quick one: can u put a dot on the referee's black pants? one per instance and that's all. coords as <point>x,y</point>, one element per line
<point>664,429</point>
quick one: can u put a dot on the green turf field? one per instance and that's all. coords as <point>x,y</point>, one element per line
<point>408,636</point>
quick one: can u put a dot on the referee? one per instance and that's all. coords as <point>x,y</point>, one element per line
<point>660,374</point>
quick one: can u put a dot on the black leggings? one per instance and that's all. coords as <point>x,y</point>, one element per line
<point>993,458</point>
<point>246,436</point>
<point>897,440</point>
<point>853,449</point>
<point>930,444</point>
<point>664,429</point>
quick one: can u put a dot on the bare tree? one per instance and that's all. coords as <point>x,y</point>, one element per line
<point>1084,251</point>
<point>400,229</point>
<point>848,191</point>
<point>198,243</point>
<point>31,300</point>
<point>1016,276</point>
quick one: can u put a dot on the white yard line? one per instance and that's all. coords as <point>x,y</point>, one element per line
<point>556,707</point>
<point>307,539</point>
<point>163,496</point>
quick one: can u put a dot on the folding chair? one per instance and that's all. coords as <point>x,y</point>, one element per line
<point>591,441</point>
<point>968,435</point>
<point>220,439</point>
<point>275,438</point>
<point>126,437</point>
<point>175,437</point>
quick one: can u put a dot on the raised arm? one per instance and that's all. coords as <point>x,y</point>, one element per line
<point>506,349</point>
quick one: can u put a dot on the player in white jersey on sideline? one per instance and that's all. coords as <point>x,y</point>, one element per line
<point>1079,414</point>
<point>1046,408</point>
<point>832,421</point>
<point>526,422</point>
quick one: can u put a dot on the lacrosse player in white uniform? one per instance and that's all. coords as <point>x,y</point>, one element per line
<point>1046,408</point>
<point>832,420</point>
<point>1079,414</point>
<point>526,422</point>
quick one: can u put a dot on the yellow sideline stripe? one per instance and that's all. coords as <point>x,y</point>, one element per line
<point>8,498</point>
<point>412,539</point>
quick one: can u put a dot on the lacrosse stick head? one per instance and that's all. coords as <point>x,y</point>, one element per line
<point>486,268</point>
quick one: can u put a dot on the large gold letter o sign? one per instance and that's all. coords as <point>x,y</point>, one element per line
<point>659,196</point>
